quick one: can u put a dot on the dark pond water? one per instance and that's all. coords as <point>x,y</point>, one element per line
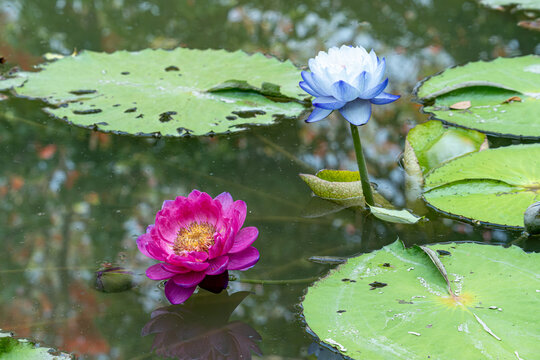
<point>72,199</point>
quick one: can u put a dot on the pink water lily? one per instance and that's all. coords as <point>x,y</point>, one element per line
<point>198,239</point>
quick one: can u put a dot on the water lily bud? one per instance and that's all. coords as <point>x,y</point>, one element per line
<point>114,279</point>
<point>532,219</point>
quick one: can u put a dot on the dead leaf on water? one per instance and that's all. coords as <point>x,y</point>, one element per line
<point>530,24</point>
<point>512,99</point>
<point>462,105</point>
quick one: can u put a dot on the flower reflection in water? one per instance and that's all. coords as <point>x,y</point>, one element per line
<point>200,329</point>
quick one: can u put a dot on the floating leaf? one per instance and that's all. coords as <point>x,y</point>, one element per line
<point>14,349</point>
<point>487,85</point>
<point>462,105</point>
<point>414,317</point>
<point>394,216</point>
<point>169,93</point>
<point>341,186</point>
<point>530,24</point>
<point>520,4</point>
<point>493,186</point>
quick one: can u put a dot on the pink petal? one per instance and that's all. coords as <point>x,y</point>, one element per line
<point>226,201</point>
<point>189,279</point>
<point>191,265</point>
<point>240,210</point>
<point>244,259</point>
<point>157,272</point>
<point>228,240</point>
<point>148,247</point>
<point>218,265</point>
<point>167,227</point>
<point>167,203</point>
<point>194,195</point>
<point>244,238</point>
<point>177,294</point>
<point>174,269</point>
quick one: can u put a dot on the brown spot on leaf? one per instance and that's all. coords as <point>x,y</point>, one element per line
<point>87,112</point>
<point>405,302</point>
<point>462,105</point>
<point>125,73</point>
<point>2,60</point>
<point>512,99</point>
<point>166,116</point>
<point>82,92</point>
<point>172,68</point>
<point>376,285</point>
<point>341,311</point>
<point>130,110</point>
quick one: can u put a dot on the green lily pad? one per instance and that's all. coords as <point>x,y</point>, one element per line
<point>520,4</point>
<point>15,349</point>
<point>493,186</point>
<point>165,93</point>
<point>394,304</point>
<point>504,96</point>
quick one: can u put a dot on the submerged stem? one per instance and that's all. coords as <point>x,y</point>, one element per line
<point>362,168</point>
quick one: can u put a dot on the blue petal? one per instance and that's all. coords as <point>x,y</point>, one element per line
<point>304,85</point>
<point>384,98</point>
<point>328,103</point>
<point>318,114</point>
<point>310,79</point>
<point>357,112</point>
<point>375,91</point>
<point>344,92</point>
<point>361,81</point>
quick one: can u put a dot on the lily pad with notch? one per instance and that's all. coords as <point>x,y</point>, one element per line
<point>417,316</point>
<point>494,186</point>
<point>164,93</point>
<point>488,86</point>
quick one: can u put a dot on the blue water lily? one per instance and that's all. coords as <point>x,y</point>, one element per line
<point>348,79</point>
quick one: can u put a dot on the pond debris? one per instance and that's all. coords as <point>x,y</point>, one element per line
<point>444,252</point>
<point>461,105</point>
<point>517,356</point>
<point>166,116</point>
<point>2,60</point>
<point>377,285</point>
<point>87,111</point>
<point>82,92</point>
<point>512,99</point>
<point>130,110</point>
<point>172,68</point>
<point>486,328</point>
<point>411,268</point>
<point>125,73</point>
<point>414,333</point>
<point>335,344</point>
<point>439,265</point>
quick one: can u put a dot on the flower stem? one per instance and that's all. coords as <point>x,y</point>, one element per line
<point>364,178</point>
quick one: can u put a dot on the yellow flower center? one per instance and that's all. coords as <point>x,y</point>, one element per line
<point>196,237</point>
